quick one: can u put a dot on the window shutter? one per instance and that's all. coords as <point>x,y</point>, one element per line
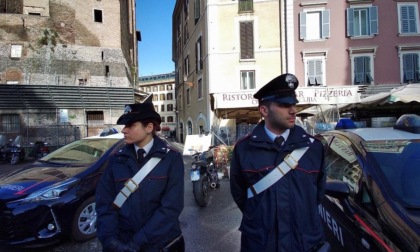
<point>373,11</point>
<point>404,19</point>
<point>350,29</point>
<point>326,24</point>
<point>318,72</point>
<point>408,61</point>
<point>197,67</point>
<point>358,70</point>
<point>408,19</point>
<point>201,54</point>
<point>198,56</point>
<point>243,39</point>
<point>247,40</point>
<point>369,78</point>
<point>416,68</point>
<point>412,19</point>
<point>303,25</point>
<point>311,64</point>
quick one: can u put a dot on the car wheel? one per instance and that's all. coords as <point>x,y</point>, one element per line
<point>84,221</point>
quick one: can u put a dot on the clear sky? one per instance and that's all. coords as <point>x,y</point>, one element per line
<point>154,20</point>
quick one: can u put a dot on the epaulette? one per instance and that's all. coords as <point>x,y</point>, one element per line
<point>243,138</point>
<point>171,148</point>
<point>117,150</point>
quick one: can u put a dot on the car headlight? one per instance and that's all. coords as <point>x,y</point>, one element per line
<point>51,192</point>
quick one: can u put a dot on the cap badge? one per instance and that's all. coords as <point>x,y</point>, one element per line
<point>127,110</point>
<point>291,80</point>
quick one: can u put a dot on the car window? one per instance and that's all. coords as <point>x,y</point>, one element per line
<point>81,151</point>
<point>341,163</point>
<point>399,162</point>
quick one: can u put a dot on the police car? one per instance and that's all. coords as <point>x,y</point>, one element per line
<point>372,197</point>
<point>53,198</point>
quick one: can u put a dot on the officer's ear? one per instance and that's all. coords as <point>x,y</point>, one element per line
<point>263,108</point>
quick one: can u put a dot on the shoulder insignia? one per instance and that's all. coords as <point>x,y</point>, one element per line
<point>244,138</point>
<point>169,147</point>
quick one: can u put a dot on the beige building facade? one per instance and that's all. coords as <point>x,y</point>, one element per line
<point>223,52</point>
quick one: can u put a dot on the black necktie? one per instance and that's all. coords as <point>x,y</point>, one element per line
<point>279,141</point>
<point>140,155</point>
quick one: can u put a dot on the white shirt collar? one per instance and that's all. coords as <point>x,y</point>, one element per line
<point>272,136</point>
<point>146,148</point>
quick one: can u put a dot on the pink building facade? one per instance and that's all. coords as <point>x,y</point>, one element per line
<point>365,42</point>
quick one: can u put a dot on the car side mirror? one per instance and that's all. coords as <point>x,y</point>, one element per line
<point>337,189</point>
<point>341,191</point>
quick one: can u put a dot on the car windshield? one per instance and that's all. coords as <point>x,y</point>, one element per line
<point>81,151</point>
<point>399,161</point>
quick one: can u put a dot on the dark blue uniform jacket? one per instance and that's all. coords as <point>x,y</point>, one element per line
<point>285,216</point>
<point>151,213</point>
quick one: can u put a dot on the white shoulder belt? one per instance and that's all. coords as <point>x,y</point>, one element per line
<point>132,184</point>
<point>290,162</point>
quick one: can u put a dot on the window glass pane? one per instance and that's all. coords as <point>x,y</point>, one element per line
<point>341,163</point>
<point>362,73</point>
<point>245,5</point>
<point>247,80</point>
<point>313,20</point>
<point>361,22</point>
<point>10,123</point>
<point>200,88</point>
<point>16,51</point>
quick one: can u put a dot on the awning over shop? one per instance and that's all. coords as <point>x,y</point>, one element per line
<point>165,128</point>
<point>404,94</point>
<point>407,94</point>
<point>60,96</point>
<point>242,105</point>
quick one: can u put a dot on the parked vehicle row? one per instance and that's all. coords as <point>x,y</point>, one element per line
<point>11,151</point>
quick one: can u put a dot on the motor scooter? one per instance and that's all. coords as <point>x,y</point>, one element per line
<point>3,146</point>
<point>204,176</point>
<point>13,151</point>
<point>39,150</point>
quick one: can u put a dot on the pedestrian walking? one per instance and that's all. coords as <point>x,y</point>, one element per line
<point>140,196</point>
<point>277,176</point>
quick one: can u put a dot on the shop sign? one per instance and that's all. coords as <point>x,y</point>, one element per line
<point>328,95</point>
<point>235,100</point>
<point>305,95</point>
